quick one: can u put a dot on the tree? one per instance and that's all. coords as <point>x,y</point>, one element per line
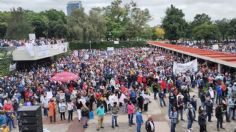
<point>206,32</point>
<point>98,24</point>
<point>56,26</point>
<point>78,25</point>
<point>232,29</point>
<point>200,19</point>
<point>3,30</point>
<point>174,23</point>
<point>224,27</point>
<point>125,22</point>
<point>160,32</point>
<point>18,26</point>
<point>147,32</point>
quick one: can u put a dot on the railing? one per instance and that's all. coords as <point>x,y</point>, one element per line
<point>31,52</point>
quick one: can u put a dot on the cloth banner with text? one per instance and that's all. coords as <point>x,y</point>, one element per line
<point>191,66</point>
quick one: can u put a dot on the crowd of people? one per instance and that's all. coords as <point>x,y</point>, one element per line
<point>226,47</point>
<point>120,82</point>
<point>36,42</point>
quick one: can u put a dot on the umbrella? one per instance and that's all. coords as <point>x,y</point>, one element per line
<point>64,77</point>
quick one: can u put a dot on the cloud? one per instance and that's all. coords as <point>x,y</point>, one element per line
<point>217,9</point>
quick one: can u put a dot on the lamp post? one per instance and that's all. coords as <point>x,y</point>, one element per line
<point>90,45</point>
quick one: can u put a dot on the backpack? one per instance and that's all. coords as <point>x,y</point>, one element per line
<point>201,120</point>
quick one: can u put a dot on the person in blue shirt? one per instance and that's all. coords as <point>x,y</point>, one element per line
<point>139,120</point>
<point>100,113</point>
<point>173,119</point>
<point>3,118</point>
<point>219,93</point>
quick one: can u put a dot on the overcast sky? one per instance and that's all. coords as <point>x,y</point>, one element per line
<point>217,9</point>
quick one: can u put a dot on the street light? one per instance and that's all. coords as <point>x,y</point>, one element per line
<point>90,45</point>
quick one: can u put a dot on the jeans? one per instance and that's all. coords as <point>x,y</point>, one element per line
<point>162,102</point>
<point>180,112</point>
<point>139,127</point>
<point>155,95</point>
<point>202,128</point>
<point>218,100</point>
<point>130,116</point>
<point>190,122</point>
<point>233,112</point>
<point>169,109</point>
<point>145,107</point>
<point>45,111</point>
<point>209,116</point>
<point>172,127</point>
<point>63,116</point>
<point>70,115</point>
<point>219,123</point>
<point>10,123</point>
<point>114,121</point>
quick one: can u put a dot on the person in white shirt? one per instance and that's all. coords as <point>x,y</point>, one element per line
<point>211,93</point>
<point>62,109</point>
<point>70,108</point>
<point>44,101</point>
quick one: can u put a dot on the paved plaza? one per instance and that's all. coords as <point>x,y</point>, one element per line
<point>159,115</point>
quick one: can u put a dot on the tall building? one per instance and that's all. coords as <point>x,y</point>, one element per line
<point>72,5</point>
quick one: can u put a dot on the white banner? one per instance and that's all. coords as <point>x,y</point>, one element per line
<point>49,95</point>
<point>110,48</point>
<point>191,66</point>
<point>30,49</point>
<point>32,37</point>
<point>116,42</point>
<point>12,67</point>
<point>215,47</point>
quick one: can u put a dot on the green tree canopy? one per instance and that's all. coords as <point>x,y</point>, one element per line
<point>224,27</point>
<point>232,29</point>
<point>200,19</point>
<point>18,26</point>
<point>206,32</point>
<point>174,23</point>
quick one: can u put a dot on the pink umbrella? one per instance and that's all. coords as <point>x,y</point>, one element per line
<point>64,77</point>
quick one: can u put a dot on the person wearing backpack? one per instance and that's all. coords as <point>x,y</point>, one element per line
<point>190,116</point>
<point>202,120</point>
<point>85,115</point>
<point>209,108</point>
<point>149,125</point>
<point>219,116</point>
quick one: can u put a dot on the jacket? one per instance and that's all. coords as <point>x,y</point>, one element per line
<point>219,112</point>
<point>139,118</point>
<point>202,119</point>
<point>3,119</point>
<point>131,109</point>
<point>190,113</point>
<point>115,110</point>
<point>209,106</point>
<point>148,126</point>
<point>173,117</point>
<point>52,109</point>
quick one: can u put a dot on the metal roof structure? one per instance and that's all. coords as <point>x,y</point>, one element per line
<point>226,59</point>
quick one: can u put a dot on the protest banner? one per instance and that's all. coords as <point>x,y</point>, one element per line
<point>191,66</point>
<point>49,95</point>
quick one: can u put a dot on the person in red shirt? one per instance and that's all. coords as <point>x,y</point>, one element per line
<point>8,106</point>
<point>163,85</point>
<point>139,79</point>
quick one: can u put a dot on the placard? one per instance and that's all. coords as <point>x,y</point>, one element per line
<point>49,95</point>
